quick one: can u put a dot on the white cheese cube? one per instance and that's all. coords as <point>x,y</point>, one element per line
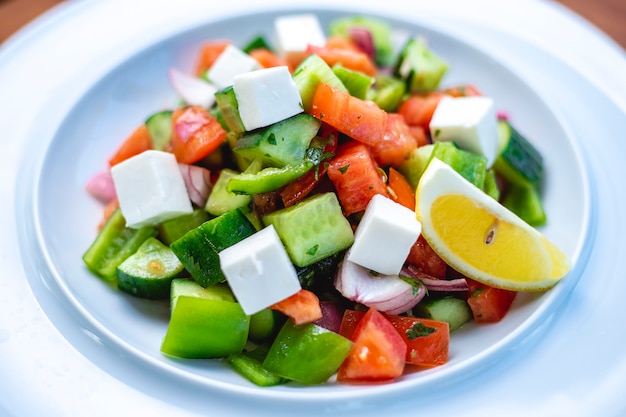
<point>259,271</point>
<point>231,62</point>
<point>295,33</point>
<point>470,122</point>
<point>384,237</point>
<point>266,96</point>
<point>150,188</point>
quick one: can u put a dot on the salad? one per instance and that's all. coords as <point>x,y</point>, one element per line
<point>275,205</point>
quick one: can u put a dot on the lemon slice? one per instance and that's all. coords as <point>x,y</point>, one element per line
<point>481,238</point>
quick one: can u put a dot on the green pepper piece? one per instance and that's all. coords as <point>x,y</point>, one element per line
<point>252,369</point>
<point>202,328</point>
<point>268,179</point>
<point>357,83</point>
<point>307,353</point>
<point>114,244</point>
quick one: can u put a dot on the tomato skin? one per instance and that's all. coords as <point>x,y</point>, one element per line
<point>355,176</point>
<point>431,350</point>
<point>195,134</point>
<point>397,142</point>
<point>362,120</point>
<point>378,353</point>
<point>267,58</point>
<point>488,304</point>
<point>209,52</point>
<point>138,142</point>
<point>426,260</point>
<point>401,191</point>
<point>302,307</point>
<point>418,110</point>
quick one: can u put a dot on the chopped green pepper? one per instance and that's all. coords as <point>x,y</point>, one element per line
<point>268,179</point>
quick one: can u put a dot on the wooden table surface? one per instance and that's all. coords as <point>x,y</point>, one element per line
<point>608,15</point>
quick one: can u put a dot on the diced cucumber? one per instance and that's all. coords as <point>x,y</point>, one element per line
<point>387,93</point>
<point>311,71</point>
<point>419,67</point>
<point>281,143</point>
<point>114,244</point>
<point>380,30</point>
<point>525,201</point>
<point>518,161</point>
<point>190,288</point>
<point>313,229</point>
<point>357,83</point>
<point>414,167</point>
<point>199,248</point>
<point>148,273</point>
<point>221,200</point>
<point>160,127</point>
<point>453,311</point>
<point>471,166</point>
<point>173,229</point>
<point>227,103</point>
<point>319,273</point>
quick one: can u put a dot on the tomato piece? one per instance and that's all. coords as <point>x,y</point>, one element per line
<point>209,52</point>
<point>341,51</point>
<point>426,260</point>
<point>195,134</point>
<point>138,142</point>
<point>488,304</point>
<point>361,120</point>
<point>302,307</point>
<point>378,353</point>
<point>419,134</point>
<point>428,341</point>
<point>355,176</point>
<point>418,110</point>
<point>400,190</point>
<point>267,58</point>
<point>397,142</point>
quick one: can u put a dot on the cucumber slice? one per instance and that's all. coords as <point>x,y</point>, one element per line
<point>281,143</point>
<point>199,248</point>
<point>229,108</point>
<point>221,200</point>
<point>311,71</point>
<point>414,167</point>
<point>387,92</point>
<point>421,68</point>
<point>525,201</point>
<point>160,127</point>
<point>148,273</point>
<point>357,83</point>
<point>453,311</point>
<point>490,187</point>
<point>313,229</point>
<point>519,161</point>
<point>173,229</point>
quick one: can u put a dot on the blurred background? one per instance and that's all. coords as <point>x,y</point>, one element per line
<point>608,15</point>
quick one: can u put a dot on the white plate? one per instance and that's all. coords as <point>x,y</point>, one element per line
<point>119,336</point>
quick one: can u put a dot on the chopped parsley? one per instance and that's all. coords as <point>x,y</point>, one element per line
<point>419,329</point>
<point>271,139</point>
<point>312,250</point>
<point>344,169</point>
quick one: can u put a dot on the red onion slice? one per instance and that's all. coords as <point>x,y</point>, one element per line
<point>192,89</point>
<point>364,40</point>
<point>101,187</point>
<point>435,284</point>
<point>198,183</point>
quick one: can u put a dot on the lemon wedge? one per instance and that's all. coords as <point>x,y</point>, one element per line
<point>481,238</point>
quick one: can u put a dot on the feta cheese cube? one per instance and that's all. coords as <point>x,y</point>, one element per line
<point>470,122</point>
<point>384,237</point>
<point>296,32</point>
<point>266,96</point>
<point>231,62</point>
<point>150,188</point>
<point>259,271</point>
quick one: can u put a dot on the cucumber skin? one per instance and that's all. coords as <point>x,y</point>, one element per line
<point>519,162</point>
<point>173,229</point>
<point>133,276</point>
<point>199,248</point>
